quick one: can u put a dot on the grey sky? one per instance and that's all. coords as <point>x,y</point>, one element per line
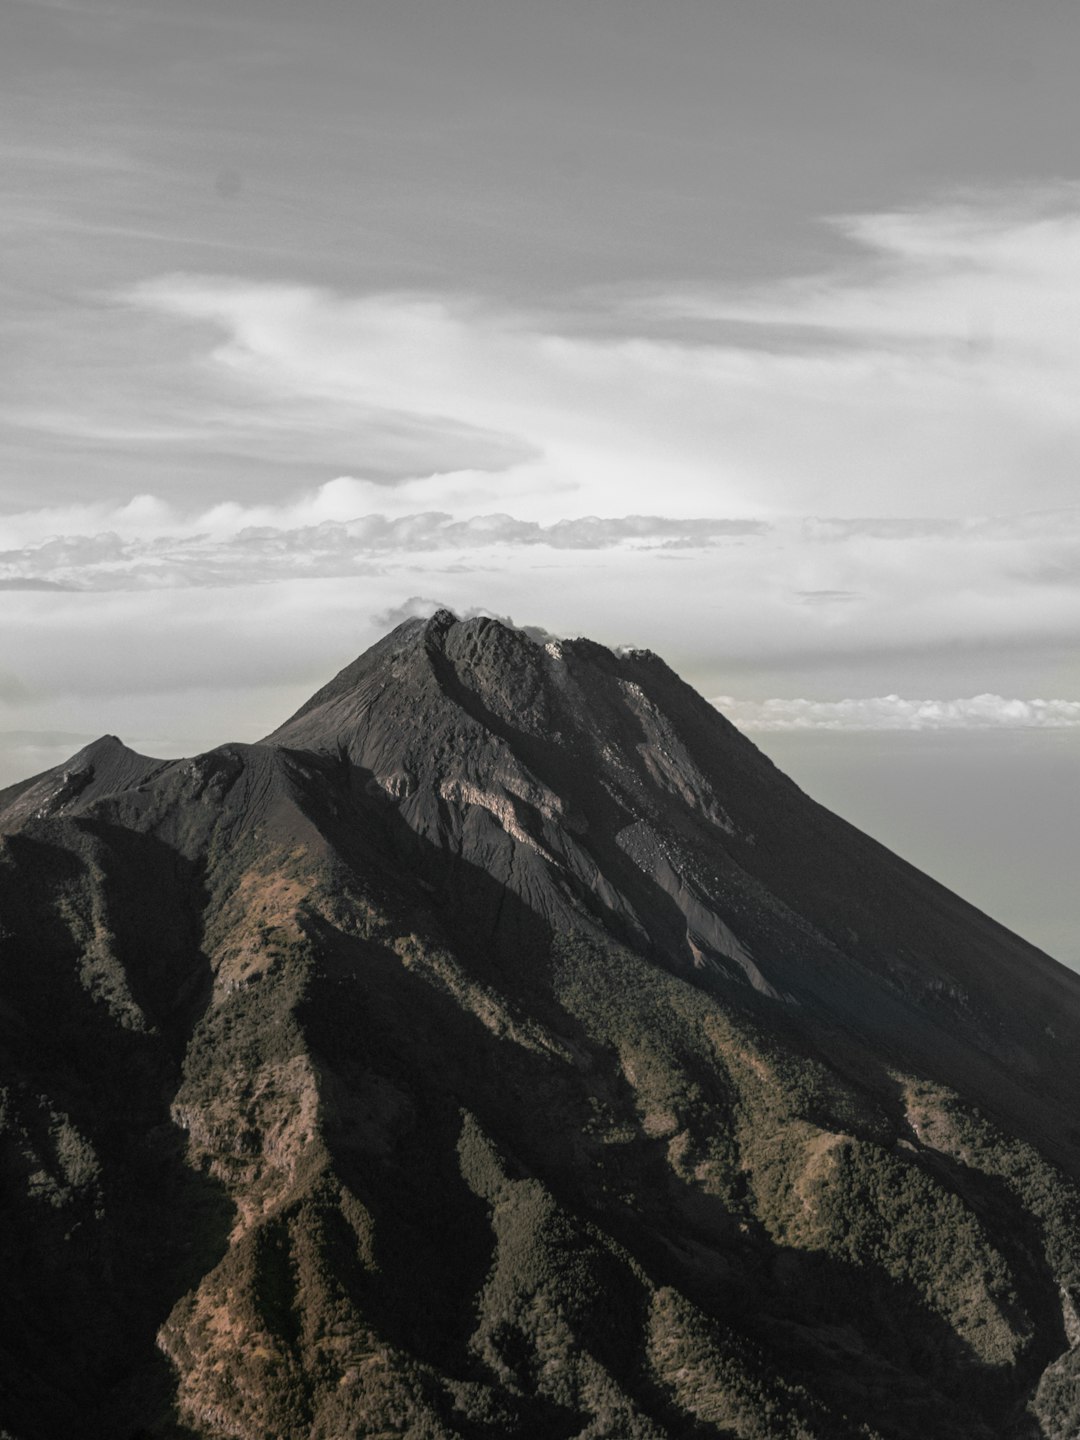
<point>990,813</point>
<point>748,332</point>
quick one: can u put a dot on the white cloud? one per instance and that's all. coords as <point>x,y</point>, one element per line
<point>994,276</point>
<point>934,373</point>
<point>892,712</point>
<point>416,607</point>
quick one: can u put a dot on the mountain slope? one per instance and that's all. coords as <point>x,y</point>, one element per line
<point>505,1047</point>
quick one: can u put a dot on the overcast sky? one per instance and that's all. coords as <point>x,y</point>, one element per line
<point>748,332</point>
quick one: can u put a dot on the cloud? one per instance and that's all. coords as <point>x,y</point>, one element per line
<point>29,582</point>
<point>891,712</point>
<point>227,554</point>
<point>877,527</point>
<point>931,372</point>
<point>794,592</point>
<point>416,607</point>
<point>826,597</point>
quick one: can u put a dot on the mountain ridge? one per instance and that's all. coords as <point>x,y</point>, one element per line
<point>504,1046</point>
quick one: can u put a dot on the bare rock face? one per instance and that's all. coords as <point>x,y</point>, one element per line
<point>504,1047</point>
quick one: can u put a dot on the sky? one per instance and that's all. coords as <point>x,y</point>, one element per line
<point>745,332</point>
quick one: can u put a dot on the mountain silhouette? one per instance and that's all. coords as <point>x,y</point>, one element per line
<point>505,1047</point>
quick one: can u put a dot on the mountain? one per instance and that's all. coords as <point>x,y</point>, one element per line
<point>505,1047</point>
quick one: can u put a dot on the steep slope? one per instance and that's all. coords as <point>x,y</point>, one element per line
<point>504,1047</point>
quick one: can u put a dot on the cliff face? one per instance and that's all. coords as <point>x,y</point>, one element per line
<point>505,1047</point>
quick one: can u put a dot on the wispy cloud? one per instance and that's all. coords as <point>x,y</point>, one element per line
<point>826,597</point>
<point>892,712</point>
<point>30,582</point>
<point>933,374</point>
<point>953,281</point>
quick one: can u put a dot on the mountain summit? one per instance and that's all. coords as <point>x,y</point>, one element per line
<point>504,1047</point>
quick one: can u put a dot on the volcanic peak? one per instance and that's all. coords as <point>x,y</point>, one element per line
<point>503,1046</point>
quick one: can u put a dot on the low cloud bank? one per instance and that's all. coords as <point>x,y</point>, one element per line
<point>893,712</point>
<point>332,548</point>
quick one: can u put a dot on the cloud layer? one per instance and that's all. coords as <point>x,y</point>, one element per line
<point>227,554</point>
<point>892,712</point>
<point>932,372</point>
<point>730,587</point>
